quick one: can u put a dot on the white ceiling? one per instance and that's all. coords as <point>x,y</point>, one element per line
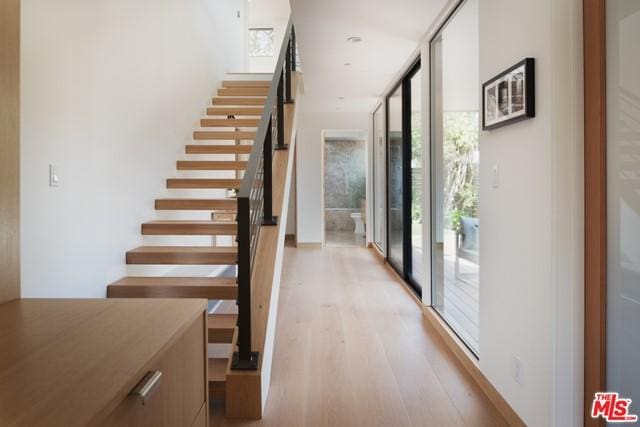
<point>390,30</point>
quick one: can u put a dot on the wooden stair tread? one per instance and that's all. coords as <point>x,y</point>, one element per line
<point>232,100</point>
<point>217,377</point>
<point>244,91</point>
<point>235,111</point>
<point>223,135</point>
<point>192,228</point>
<point>183,255</point>
<point>211,165</point>
<point>221,327</point>
<point>218,149</point>
<point>246,83</point>
<point>218,369</point>
<point>229,123</point>
<point>197,204</point>
<point>203,183</point>
<point>222,288</point>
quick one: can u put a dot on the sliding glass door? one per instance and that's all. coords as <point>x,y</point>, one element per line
<point>455,226</point>
<point>623,199</point>
<point>395,185</point>
<point>404,178</point>
<point>379,179</point>
<point>417,179</point>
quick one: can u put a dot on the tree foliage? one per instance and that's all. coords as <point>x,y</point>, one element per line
<point>460,170</point>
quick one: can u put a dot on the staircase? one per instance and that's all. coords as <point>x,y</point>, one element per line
<point>235,127</point>
<point>240,154</point>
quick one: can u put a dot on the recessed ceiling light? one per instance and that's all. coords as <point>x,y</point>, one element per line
<point>354,39</point>
<point>347,64</point>
<point>341,98</point>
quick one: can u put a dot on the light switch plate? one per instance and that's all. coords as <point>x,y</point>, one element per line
<point>54,179</point>
<point>517,369</point>
<point>495,176</point>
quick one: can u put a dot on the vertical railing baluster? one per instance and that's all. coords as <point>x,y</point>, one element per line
<point>268,218</point>
<point>287,72</point>
<point>280,111</point>
<point>294,53</point>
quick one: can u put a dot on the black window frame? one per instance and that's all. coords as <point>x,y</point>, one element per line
<point>405,271</point>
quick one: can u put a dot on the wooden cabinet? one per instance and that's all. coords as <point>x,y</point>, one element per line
<point>180,393</point>
<point>76,363</point>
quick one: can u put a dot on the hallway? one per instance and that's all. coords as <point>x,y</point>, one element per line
<point>353,349</point>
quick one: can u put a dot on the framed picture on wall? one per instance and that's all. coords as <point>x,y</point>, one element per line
<point>510,96</point>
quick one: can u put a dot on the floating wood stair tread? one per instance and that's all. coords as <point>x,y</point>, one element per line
<point>183,255</point>
<point>196,204</point>
<point>238,101</point>
<point>190,228</point>
<point>234,111</point>
<point>221,135</point>
<point>246,83</point>
<point>213,165</point>
<point>218,149</point>
<point>203,183</point>
<point>220,288</point>
<point>244,91</point>
<point>252,123</point>
<point>221,327</point>
<point>217,377</point>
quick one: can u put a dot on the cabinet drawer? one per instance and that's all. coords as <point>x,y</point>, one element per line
<point>181,393</point>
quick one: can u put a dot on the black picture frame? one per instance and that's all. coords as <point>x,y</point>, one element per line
<point>509,97</point>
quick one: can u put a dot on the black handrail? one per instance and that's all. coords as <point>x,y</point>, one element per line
<point>255,197</point>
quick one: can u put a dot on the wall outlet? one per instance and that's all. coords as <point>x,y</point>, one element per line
<point>517,370</point>
<point>54,179</point>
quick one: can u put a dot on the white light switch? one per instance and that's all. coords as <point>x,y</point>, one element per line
<point>495,176</point>
<point>517,369</point>
<point>54,179</point>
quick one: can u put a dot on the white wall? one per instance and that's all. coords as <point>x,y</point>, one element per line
<point>268,14</point>
<point>530,250</point>
<point>111,91</point>
<point>309,166</point>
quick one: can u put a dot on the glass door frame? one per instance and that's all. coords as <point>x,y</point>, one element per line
<point>405,270</point>
<point>379,168</point>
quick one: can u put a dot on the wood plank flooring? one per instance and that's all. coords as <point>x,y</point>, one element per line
<point>354,349</point>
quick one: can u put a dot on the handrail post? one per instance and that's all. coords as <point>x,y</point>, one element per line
<point>244,358</point>
<point>267,153</point>
<point>280,111</point>
<point>287,72</point>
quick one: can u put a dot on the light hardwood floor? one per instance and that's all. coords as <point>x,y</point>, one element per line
<point>353,349</point>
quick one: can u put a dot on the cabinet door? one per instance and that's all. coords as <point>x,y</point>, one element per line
<point>178,399</point>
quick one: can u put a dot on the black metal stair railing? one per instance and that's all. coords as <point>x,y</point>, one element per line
<point>255,197</point>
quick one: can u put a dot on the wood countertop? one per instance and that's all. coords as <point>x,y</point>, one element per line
<point>70,362</point>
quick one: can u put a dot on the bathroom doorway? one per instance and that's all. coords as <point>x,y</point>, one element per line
<point>345,184</point>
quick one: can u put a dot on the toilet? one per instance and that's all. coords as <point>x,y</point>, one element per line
<point>357,218</point>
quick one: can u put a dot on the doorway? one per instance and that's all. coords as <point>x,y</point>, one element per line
<point>344,188</point>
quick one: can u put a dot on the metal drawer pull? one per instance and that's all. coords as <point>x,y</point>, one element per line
<point>147,386</point>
